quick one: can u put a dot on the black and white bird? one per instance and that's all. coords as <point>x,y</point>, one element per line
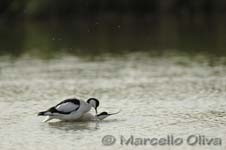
<point>90,117</point>
<point>70,109</point>
<point>104,115</point>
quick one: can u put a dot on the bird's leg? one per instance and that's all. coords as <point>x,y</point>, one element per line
<point>48,118</point>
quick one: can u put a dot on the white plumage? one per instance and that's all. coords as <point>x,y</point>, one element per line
<point>67,107</point>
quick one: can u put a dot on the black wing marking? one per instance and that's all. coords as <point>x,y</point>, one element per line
<point>67,106</point>
<point>71,100</point>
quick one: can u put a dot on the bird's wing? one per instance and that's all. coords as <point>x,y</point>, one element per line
<point>67,107</point>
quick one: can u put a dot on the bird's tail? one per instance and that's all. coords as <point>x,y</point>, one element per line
<point>44,113</point>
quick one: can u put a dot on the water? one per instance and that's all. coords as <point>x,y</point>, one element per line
<point>158,96</point>
<point>160,91</point>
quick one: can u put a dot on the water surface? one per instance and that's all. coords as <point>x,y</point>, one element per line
<point>158,95</point>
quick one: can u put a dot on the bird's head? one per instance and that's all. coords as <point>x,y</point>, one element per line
<point>94,103</point>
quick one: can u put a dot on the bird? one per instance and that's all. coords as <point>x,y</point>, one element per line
<point>90,117</point>
<point>70,109</point>
<point>104,115</point>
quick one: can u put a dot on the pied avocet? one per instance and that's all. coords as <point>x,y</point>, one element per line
<point>70,109</point>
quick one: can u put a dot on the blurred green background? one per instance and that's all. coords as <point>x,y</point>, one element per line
<point>46,27</point>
